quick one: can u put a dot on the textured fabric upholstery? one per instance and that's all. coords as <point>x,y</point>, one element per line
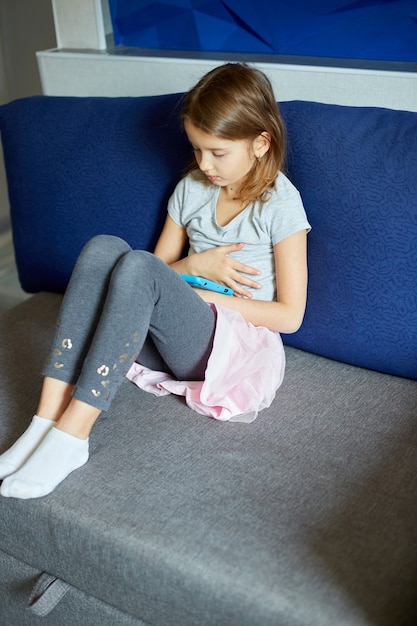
<point>356,170</point>
<point>82,166</point>
<point>306,516</point>
<point>78,167</point>
<point>18,579</point>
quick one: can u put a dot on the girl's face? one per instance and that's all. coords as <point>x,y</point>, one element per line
<point>225,162</point>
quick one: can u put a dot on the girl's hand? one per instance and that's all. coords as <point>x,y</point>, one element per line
<point>216,264</point>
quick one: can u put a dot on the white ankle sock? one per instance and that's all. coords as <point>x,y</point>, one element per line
<point>15,457</point>
<point>58,455</point>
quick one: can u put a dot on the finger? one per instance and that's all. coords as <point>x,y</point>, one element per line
<point>251,283</point>
<point>240,292</point>
<point>244,283</point>
<point>240,285</point>
<point>233,247</point>
<point>246,269</point>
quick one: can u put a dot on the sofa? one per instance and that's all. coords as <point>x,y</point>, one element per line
<point>307,516</point>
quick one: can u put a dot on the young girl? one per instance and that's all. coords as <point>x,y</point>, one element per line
<point>128,313</point>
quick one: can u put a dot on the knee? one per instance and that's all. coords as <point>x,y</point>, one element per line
<point>105,249</point>
<point>105,243</point>
<point>135,261</point>
<point>137,267</point>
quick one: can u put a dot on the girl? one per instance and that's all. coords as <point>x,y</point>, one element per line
<point>246,228</point>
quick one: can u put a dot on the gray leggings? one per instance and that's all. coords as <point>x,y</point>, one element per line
<point>123,305</point>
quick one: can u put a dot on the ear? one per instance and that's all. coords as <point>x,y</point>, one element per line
<point>261,144</point>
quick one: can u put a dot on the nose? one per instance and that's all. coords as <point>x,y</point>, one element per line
<point>204,162</point>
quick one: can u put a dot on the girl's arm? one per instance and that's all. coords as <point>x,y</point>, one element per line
<point>286,314</point>
<point>171,242</point>
<point>215,263</point>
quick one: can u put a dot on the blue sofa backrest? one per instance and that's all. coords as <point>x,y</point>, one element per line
<point>77,167</point>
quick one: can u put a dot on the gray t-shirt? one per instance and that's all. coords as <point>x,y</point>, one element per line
<point>258,226</point>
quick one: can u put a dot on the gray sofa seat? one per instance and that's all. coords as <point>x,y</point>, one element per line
<point>307,516</point>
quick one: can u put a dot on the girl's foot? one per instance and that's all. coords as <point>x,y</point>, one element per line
<point>27,443</point>
<point>57,456</point>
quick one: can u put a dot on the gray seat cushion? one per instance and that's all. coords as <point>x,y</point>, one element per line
<point>306,516</point>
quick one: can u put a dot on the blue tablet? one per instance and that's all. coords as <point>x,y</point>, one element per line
<point>204,283</point>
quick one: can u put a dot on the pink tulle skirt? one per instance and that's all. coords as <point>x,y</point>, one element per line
<point>244,371</point>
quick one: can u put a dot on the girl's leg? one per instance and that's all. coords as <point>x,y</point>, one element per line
<point>80,311</point>
<point>55,397</point>
<point>144,295</point>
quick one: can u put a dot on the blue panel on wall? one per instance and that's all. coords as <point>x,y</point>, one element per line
<point>383,30</point>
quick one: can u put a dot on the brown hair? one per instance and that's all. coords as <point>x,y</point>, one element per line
<point>235,101</point>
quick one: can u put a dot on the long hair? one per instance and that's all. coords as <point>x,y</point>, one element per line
<point>235,101</point>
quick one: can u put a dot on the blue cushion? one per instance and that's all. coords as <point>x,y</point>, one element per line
<point>81,166</point>
<point>356,169</point>
<point>78,167</point>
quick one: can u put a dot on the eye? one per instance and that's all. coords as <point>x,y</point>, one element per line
<point>219,155</point>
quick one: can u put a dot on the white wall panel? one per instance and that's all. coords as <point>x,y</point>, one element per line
<point>94,74</point>
<point>80,23</point>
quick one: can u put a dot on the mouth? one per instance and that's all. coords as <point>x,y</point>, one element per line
<point>212,178</point>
